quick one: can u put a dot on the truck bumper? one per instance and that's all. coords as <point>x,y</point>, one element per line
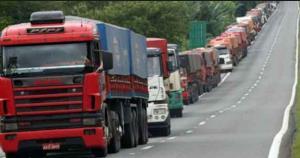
<point>158,125</point>
<point>34,140</point>
<point>225,67</point>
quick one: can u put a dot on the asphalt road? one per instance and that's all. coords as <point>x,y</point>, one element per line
<point>241,116</point>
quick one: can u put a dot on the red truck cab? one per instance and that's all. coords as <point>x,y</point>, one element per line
<point>54,104</point>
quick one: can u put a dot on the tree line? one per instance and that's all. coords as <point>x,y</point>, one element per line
<point>167,19</point>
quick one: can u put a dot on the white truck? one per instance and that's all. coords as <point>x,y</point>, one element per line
<point>225,61</point>
<point>175,89</point>
<point>158,110</point>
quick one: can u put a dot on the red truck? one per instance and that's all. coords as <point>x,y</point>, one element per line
<point>191,64</point>
<point>66,84</point>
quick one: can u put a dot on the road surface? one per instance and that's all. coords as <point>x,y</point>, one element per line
<point>240,117</point>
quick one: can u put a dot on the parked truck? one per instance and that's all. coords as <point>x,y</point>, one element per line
<point>175,91</point>
<point>224,45</point>
<point>69,85</point>
<point>240,31</point>
<point>211,62</point>
<point>191,64</point>
<point>158,72</point>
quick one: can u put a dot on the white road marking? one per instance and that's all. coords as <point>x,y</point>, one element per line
<point>250,90</point>
<point>202,123</point>
<point>147,147</point>
<point>221,111</point>
<point>225,77</point>
<point>162,141</point>
<point>243,98</point>
<point>239,102</point>
<point>131,153</point>
<point>212,116</point>
<point>259,77</point>
<point>246,94</point>
<point>274,149</point>
<point>201,95</point>
<point>189,131</point>
<point>171,138</point>
<point>233,106</point>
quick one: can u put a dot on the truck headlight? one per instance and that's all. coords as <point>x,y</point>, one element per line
<point>159,111</point>
<point>89,121</point>
<point>10,126</point>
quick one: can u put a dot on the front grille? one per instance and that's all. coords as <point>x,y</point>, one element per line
<point>48,122</point>
<point>48,100</point>
<point>221,61</point>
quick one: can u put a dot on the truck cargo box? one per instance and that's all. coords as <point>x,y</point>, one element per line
<point>138,55</point>
<point>114,39</point>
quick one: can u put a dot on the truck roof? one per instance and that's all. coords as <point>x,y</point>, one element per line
<point>27,33</point>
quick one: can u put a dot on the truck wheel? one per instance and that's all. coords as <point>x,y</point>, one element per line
<point>11,155</point>
<point>143,127</point>
<point>135,128</point>
<point>99,152</point>
<point>115,142</point>
<point>167,130</point>
<point>128,137</point>
<point>179,113</point>
<point>186,102</point>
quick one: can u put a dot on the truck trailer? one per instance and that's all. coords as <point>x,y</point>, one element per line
<point>71,84</point>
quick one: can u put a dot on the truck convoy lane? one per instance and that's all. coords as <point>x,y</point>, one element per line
<point>90,93</point>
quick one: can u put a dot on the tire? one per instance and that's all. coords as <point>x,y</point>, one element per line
<point>135,128</point>
<point>115,142</point>
<point>143,127</point>
<point>128,137</point>
<point>99,152</point>
<point>167,130</point>
<point>179,113</point>
<point>11,155</point>
<point>186,102</point>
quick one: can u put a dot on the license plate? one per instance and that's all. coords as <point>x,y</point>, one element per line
<point>51,146</point>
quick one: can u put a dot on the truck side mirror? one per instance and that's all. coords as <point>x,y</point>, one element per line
<point>170,66</point>
<point>107,59</point>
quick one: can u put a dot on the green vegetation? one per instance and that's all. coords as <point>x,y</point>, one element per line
<point>168,19</point>
<point>296,145</point>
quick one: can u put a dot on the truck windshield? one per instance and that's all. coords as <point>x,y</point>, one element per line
<point>45,58</point>
<point>222,51</point>
<point>154,66</point>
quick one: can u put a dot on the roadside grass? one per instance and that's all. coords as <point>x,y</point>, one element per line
<point>296,145</point>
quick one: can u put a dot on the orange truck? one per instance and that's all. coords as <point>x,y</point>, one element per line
<point>231,43</point>
<point>247,23</point>
<point>212,69</point>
